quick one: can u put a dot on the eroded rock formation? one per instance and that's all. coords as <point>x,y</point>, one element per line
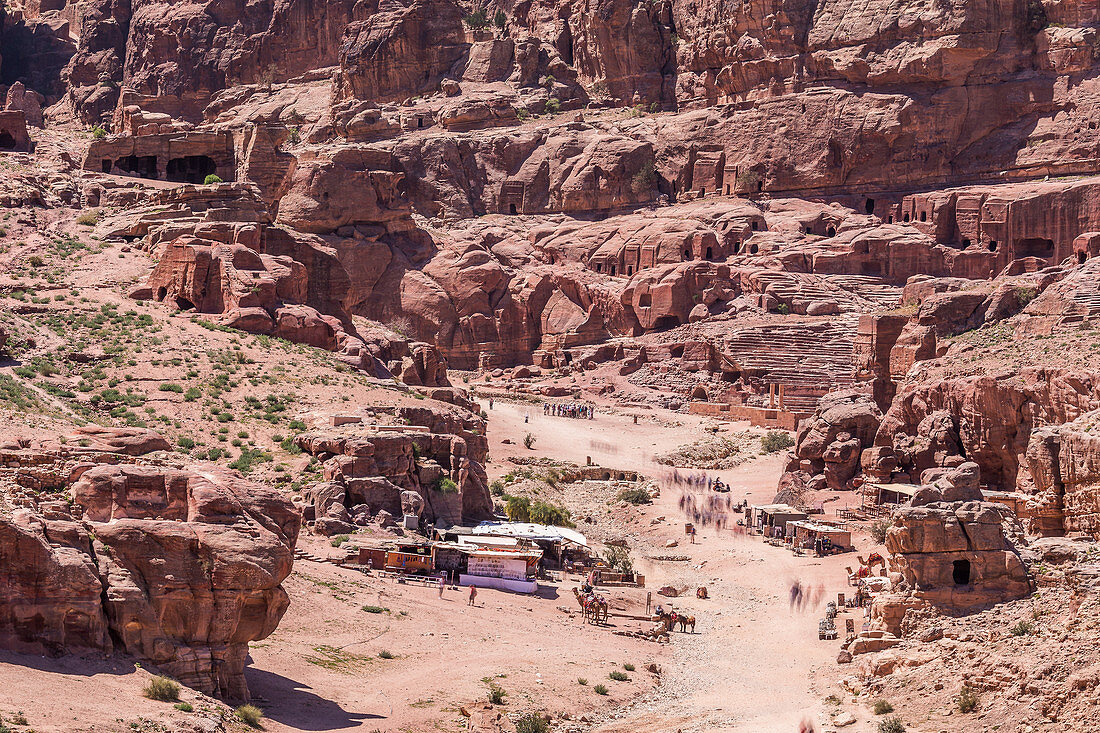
<point>180,568</point>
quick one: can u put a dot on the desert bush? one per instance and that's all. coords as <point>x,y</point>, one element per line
<point>553,106</point>
<point>518,509</point>
<point>776,440</point>
<point>162,689</point>
<point>36,261</point>
<point>500,20</point>
<point>385,654</point>
<point>645,178</point>
<point>529,441</point>
<point>532,723</point>
<point>447,486</point>
<point>628,667</point>
<point>185,707</point>
<point>212,179</point>
<point>783,309</point>
<point>339,540</point>
<point>635,496</point>
<point>582,681</point>
<point>1025,295</point>
<point>967,701</point>
<point>476,19</point>
<point>497,488</point>
<point>600,689</point>
<point>618,676</point>
<point>891,725</point>
<point>497,694</point>
<point>171,387</point>
<point>882,707</point>
<point>878,530</point>
<point>618,559</point>
<point>19,718</point>
<point>1023,628</point>
<point>98,133</point>
<point>249,715</point>
<point>88,218</point>
<point>542,512</point>
<point>374,609</point>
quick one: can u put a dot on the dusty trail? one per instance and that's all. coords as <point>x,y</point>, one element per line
<point>754,665</point>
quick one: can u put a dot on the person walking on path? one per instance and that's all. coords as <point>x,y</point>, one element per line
<point>473,595</point>
<point>441,584</point>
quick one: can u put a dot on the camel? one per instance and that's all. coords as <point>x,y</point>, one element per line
<point>686,621</point>
<point>671,618</point>
<point>866,567</point>
<point>592,606</point>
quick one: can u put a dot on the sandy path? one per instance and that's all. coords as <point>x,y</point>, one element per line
<point>754,665</point>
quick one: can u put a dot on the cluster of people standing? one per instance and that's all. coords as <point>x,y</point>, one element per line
<point>562,409</point>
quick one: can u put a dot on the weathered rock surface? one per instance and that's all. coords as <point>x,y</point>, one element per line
<point>179,568</point>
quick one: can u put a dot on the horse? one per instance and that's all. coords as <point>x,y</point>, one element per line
<point>686,621</point>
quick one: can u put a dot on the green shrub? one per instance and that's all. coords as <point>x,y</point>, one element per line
<point>553,106</point>
<point>645,178</point>
<point>532,723</point>
<point>1023,628</point>
<point>878,530</point>
<point>186,443</point>
<point>212,179</point>
<point>529,441</point>
<point>249,715</point>
<point>171,387</point>
<point>967,701</point>
<point>600,689</point>
<point>1025,295</point>
<point>542,512</point>
<point>628,667</point>
<point>36,261</point>
<point>635,496</point>
<point>374,609</point>
<point>497,488</point>
<point>446,486</point>
<point>619,676</point>
<point>184,707</point>
<point>891,725</point>
<point>162,689</point>
<point>496,694</point>
<point>499,20</point>
<point>783,309</point>
<point>88,218</point>
<point>339,540</point>
<point>518,509</point>
<point>882,707</point>
<point>98,133</point>
<point>618,559</point>
<point>192,394</point>
<point>476,19</point>
<point>776,440</point>
<point>385,654</point>
<point>582,681</point>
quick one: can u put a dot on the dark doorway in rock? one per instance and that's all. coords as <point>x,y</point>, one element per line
<point>965,243</point>
<point>7,142</point>
<point>613,269</point>
<point>869,206</point>
<point>161,292</point>
<point>993,246</point>
<point>645,300</point>
<point>700,393</point>
<point>1035,247</point>
<point>191,168</point>
<point>924,216</point>
<point>687,254</point>
<point>105,165</point>
<point>754,226</point>
<point>144,166</point>
<point>512,209</point>
<point>905,218</point>
<point>830,232</point>
<point>184,304</point>
<point>754,249</point>
<point>666,322</point>
<point>1081,257</point>
<point>710,253</point>
<point>960,572</point>
<point>630,269</point>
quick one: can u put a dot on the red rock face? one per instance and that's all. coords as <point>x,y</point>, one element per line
<point>179,568</point>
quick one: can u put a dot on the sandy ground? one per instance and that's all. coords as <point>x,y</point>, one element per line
<point>754,664</point>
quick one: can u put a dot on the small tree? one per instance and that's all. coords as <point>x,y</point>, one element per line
<point>518,509</point>
<point>618,559</point>
<point>776,440</point>
<point>98,133</point>
<point>212,179</point>
<point>878,530</point>
<point>529,441</point>
<point>499,20</point>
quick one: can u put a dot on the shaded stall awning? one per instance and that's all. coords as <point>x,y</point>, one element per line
<point>531,531</point>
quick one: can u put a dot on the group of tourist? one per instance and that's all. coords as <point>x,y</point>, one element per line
<point>563,409</point>
<point>713,510</point>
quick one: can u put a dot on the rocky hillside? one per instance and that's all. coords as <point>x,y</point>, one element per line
<point>242,226</point>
